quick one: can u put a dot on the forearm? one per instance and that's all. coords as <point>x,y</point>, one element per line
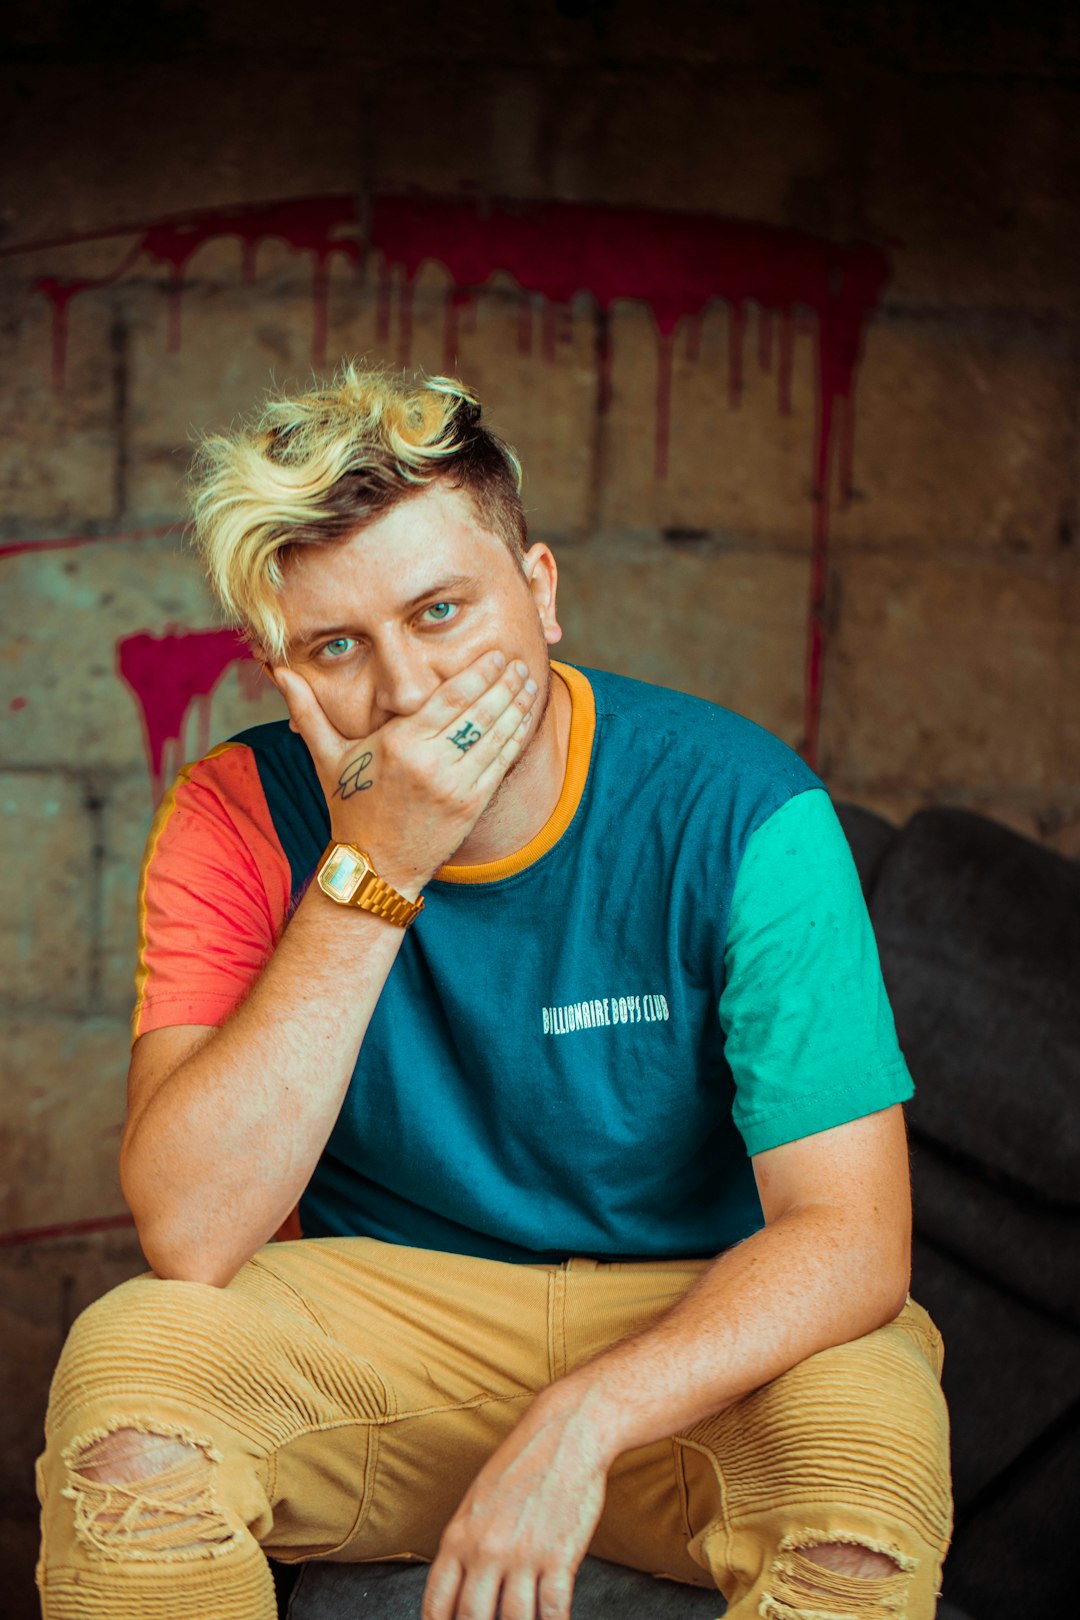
<point>218,1156</point>
<point>811,1279</point>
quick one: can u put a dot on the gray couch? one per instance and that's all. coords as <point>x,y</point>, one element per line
<point>979,932</point>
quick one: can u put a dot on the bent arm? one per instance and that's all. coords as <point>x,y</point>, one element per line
<point>224,1129</point>
<point>832,1263</point>
<point>225,1126</point>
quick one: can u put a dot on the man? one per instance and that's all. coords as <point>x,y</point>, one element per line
<point>551,1000</point>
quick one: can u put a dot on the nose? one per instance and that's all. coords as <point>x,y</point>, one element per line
<point>403,680</point>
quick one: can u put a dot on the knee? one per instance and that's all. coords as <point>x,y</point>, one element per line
<point>836,1573</point>
<point>145,1492</point>
<point>851,1558</point>
<point>164,1338</point>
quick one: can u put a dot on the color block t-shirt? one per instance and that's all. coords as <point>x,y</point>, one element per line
<point>579,1047</point>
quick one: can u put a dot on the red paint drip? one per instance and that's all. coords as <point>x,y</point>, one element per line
<point>765,338</point>
<point>663,402</point>
<point>787,361</point>
<point>675,262</point>
<point>175,291</point>
<point>39,1234</point>
<point>167,674</point>
<point>405,324</point>
<point>321,226</point>
<point>736,341</point>
<point>60,293</point>
<point>525,326</point>
<point>16,548</point>
<point>548,330</point>
<point>450,334</point>
<point>602,354</point>
<point>459,312</point>
<point>845,450</point>
<point>383,295</point>
<point>320,308</point>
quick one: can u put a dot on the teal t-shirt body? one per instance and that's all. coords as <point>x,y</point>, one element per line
<point>579,1058</point>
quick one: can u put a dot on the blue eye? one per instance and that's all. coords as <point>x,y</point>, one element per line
<point>338,647</point>
<point>441,610</point>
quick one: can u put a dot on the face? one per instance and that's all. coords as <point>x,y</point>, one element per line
<point>374,624</point>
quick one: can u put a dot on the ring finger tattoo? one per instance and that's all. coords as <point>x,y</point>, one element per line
<point>465,738</point>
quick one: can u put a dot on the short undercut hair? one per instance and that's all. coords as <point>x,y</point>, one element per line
<point>313,468</point>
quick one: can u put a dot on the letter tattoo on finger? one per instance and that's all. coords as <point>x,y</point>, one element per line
<point>465,738</point>
<point>349,782</point>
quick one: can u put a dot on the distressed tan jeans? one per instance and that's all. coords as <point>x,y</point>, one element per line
<point>337,1398</point>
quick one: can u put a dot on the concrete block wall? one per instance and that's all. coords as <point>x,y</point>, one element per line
<point>947,553</point>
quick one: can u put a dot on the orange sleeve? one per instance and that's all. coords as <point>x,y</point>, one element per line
<point>213,895</point>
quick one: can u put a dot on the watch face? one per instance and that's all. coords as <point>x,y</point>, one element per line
<point>342,873</point>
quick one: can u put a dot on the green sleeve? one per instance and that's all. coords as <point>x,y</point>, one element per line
<point>809,1032</point>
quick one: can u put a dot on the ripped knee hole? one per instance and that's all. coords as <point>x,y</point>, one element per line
<point>835,1575</point>
<point>141,1491</point>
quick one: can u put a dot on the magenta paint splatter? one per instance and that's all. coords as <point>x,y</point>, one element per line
<point>167,675</point>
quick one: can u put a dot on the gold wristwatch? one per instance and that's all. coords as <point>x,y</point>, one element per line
<point>347,875</point>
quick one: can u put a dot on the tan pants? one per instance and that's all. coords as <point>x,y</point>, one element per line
<point>340,1395</point>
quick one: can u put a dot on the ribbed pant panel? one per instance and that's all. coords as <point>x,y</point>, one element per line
<point>864,1423</point>
<point>243,1352</point>
<point>238,1589</point>
<point>850,1445</point>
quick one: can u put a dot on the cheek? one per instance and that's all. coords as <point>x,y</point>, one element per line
<point>346,703</point>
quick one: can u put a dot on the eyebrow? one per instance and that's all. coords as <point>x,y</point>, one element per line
<point>453,582</point>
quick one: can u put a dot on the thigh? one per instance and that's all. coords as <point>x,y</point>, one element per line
<point>644,1523</point>
<point>441,1328</point>
<point>245,1375</point>
<point>329,1382</point>
<point>460,1346</point>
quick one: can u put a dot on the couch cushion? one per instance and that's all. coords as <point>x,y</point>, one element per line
<point>603,1591</point>
<point>1026,1247</point>
<point>870,837</point>
<point>979,933</point>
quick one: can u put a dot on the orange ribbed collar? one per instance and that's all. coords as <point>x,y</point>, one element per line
<point>579,753</point>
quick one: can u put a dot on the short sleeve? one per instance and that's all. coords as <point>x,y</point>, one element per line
<point>213,895</point>
<point>809,1032</point>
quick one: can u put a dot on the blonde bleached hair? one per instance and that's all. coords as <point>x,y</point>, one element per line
<point>313,468</point>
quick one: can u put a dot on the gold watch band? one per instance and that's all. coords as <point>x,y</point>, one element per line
<point>347,875</point>
<point>376,895</point>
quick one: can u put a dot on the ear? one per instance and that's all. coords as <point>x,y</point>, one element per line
<point>542,578</point>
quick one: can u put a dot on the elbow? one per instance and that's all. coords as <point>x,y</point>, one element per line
<point>178,1262</point>
<point>174,1260</point>
<point>893,1309</point>
<point>177,1249</point>
<point>896,1289</point>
